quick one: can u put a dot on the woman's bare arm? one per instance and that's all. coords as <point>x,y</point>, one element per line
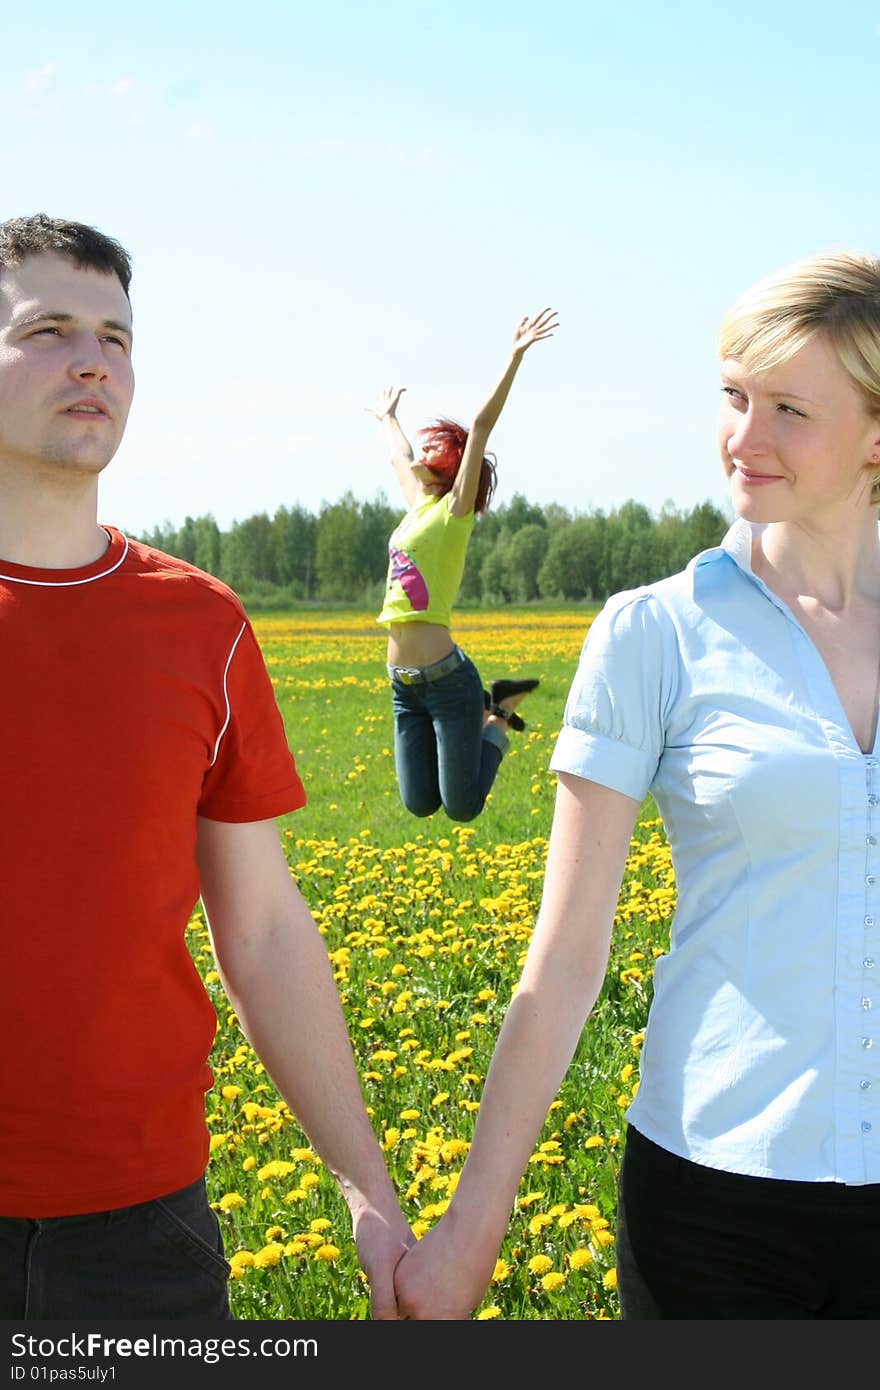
<point>463,495</point>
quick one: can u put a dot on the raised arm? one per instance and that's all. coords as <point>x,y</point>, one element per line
<point>274,967</point>
<point>463,495</point>
<point>446,1274</point>
<point>399,447</point>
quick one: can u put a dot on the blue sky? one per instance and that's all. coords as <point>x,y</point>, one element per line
<point>321,200</point>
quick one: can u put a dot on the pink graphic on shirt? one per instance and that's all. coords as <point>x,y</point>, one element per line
<point>411,580</point>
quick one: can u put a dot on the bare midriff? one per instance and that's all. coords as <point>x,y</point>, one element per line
<point>418,644</point>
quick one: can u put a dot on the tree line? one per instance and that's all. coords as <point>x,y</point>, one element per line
<point>519,551</point>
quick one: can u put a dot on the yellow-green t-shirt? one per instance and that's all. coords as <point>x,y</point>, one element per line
<point>425,564</point>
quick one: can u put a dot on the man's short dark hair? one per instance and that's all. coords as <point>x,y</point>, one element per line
<point>88,248</point>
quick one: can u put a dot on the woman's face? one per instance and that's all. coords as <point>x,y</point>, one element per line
<point>796,440</point>
<point>432,484</point>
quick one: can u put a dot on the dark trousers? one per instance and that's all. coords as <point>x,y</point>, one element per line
<point>695,1242</point>
<point>159,1259</point>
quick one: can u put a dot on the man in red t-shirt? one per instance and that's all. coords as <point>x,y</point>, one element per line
<point>144,763</point>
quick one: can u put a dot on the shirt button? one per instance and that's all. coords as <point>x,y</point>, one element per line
<point>868,962</point>
<point>866,1003</point>
<point>869,921</point>
<point>872,799</point>
<point>869,878</point>
<point>866,1126</point>
<point>870,762</point>
<point>864,1085</point>
<point>870,840</point>
<point>867,1042</point>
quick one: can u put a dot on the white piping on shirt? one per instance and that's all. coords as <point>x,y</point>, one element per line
<point>66,583</point>
<point>226,695</point>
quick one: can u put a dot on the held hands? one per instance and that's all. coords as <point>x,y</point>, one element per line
<point>438,1279</point>
<point>386,402</point>
<point>381,1239</point>
<point>530,331</point>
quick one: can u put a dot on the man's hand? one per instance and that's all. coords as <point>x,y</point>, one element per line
<point>386,402</point>
<point>381,1242</point>
<point>530,331</point>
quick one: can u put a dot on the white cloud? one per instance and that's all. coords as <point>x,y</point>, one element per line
<point>122,86</point>
<point>40,78</point>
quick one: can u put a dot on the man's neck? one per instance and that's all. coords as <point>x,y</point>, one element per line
<point>50,528</point>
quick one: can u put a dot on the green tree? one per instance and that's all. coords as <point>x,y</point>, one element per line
<point>206,544</point>
<point>525,553</point>
<point>337,563</point>
<point>294,532</point>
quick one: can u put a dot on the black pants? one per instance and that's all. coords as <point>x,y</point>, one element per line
<point>159,1259</point>
<point>694,1242</point>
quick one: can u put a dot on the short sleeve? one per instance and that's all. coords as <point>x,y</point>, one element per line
<point>612,729</point>
<point>253,775</point>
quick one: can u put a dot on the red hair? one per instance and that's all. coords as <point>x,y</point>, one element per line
<point>450,438</point>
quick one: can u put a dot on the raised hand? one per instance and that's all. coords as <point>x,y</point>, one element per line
<point>530,331</point>
<point>386,402</point>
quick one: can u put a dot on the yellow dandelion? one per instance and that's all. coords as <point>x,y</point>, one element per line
<point>276,1169</point>
<point>488,1313</point>
<point>275,1233</point>
<point>249,1163</point>
<point>578,1259</point>
<point>269,1255</point>
<point>320,1224</point>
<point>537,1224</point>
<point>609,1280</point>
<point>501,1271</point>
<point>528,1199</point>
<point>540,1264</point>
<point>230,1201</point>
<point>552,1282</point>
<point>231,1092</point>
<point>309,1180</point>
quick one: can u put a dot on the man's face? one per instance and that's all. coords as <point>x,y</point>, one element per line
<point>66,378</point>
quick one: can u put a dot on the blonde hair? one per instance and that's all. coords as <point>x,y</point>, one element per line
<point>837,295</point>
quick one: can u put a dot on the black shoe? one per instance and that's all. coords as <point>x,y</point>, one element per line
<point>510,717</point>
<point>502,690</point>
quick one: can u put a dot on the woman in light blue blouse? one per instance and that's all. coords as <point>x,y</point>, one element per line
<point>743,693</point>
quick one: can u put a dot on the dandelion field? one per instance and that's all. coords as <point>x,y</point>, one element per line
<point>426,924</point>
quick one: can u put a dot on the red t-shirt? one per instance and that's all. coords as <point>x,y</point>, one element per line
<point>133,699</point>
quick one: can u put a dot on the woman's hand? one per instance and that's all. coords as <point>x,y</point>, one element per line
<point>530,331</point>
<point>440,1277</point>
<point>386,402</point>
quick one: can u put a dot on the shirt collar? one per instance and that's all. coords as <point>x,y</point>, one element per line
<point>737,544</point>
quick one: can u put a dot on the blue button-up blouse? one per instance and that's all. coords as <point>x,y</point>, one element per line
<point>762,1046</point>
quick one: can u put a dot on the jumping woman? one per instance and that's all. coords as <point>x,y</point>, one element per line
<point>449,734</point>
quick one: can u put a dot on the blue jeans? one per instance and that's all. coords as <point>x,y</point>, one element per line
<point>159,1259</point>
<point>443,753</point>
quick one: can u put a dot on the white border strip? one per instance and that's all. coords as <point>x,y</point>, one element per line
<point>226,695</point>
<point>67,583</point>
